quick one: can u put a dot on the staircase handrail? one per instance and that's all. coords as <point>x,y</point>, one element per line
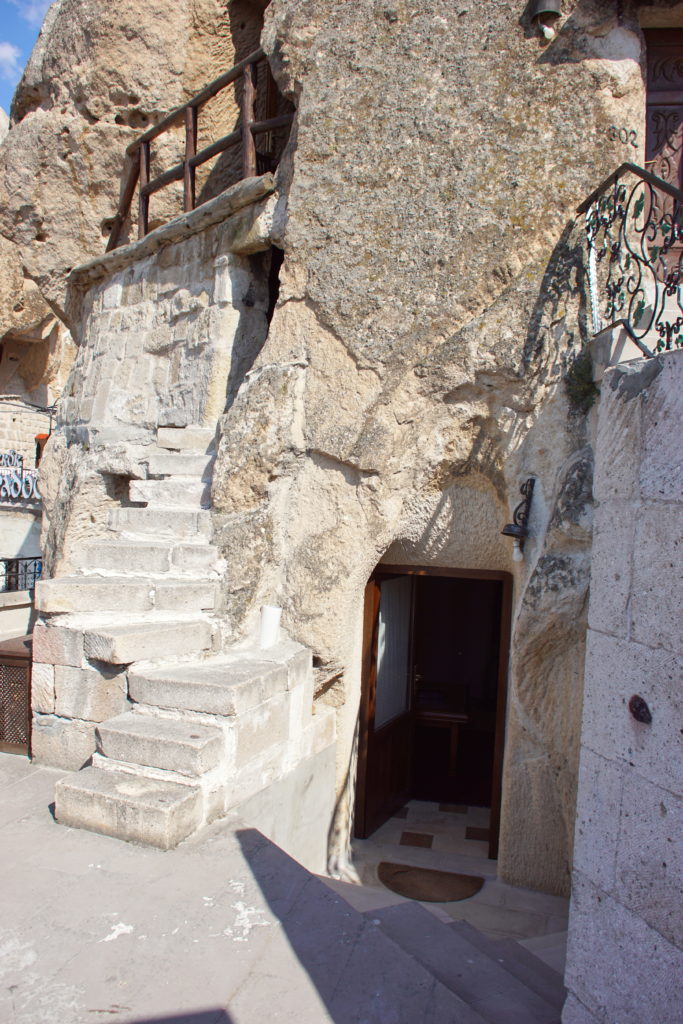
<point>139,150</point>
<point>640,172</point>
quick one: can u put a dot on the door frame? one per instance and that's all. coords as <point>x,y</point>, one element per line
<point>369,679</point>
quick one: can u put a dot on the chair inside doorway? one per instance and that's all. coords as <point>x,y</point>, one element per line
<point>434,689</point>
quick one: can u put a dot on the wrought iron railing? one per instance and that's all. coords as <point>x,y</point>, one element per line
<point>252,162</point>
<point>18,483</point>
<point>634,234</point>
<point>19,573</point>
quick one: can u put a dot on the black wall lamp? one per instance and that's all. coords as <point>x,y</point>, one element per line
<point>518,529</point>
<point>545,13</point>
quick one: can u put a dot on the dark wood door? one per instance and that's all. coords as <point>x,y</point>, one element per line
<point>664,105</point>
<point>386,719</point>
<point>15,695</point>
<point>386,732</point>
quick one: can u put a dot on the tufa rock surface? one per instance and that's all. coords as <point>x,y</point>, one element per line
<point>430,300</point>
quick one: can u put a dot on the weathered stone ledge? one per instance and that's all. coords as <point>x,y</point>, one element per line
<point>246,193</point>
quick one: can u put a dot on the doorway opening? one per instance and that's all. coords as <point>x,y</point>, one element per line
<point>435,653</point>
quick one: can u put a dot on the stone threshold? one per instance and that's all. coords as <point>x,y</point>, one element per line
<point>244,194</point>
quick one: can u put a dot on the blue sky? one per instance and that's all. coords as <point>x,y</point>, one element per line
<point>20,21</point>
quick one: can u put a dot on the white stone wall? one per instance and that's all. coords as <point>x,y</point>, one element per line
<point>19,532</point>
<point>625,955</point>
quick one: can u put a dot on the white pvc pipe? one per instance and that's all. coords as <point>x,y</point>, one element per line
<point>270,625</point>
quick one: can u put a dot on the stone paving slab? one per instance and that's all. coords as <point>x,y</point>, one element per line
<point>225,929</point>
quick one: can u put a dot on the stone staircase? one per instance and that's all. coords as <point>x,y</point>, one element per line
<point>191,730</point>
<point>490,981</point>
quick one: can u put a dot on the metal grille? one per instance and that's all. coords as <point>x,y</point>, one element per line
<point>14,707</point>
<point>19,573</point>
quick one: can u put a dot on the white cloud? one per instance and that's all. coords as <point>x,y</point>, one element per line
<point>10,63</point>
<point>32,11</point>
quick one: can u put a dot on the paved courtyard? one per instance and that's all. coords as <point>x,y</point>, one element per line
<point>225,929</point>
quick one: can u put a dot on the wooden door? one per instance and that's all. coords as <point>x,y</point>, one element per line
<point>664,105</point>
<point>386,721</point>
<point>385,747</point>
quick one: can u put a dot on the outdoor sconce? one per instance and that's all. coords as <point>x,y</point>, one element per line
<point>545,13</point>
<point>518,529</point>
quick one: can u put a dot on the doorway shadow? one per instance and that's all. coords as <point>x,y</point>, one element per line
<point>359,974</point>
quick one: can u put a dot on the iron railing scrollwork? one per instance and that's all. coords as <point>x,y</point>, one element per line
<point>19,573</point>
<point>17,483</point>
<point>634,235</point>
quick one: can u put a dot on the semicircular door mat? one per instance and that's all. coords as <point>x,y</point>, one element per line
<point>428,885</point>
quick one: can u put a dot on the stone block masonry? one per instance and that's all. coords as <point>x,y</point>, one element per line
<point>163,322</point>
<point>133,691</point>
<point>625,936</point>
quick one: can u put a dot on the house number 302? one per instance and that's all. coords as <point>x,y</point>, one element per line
<point>627,137</point>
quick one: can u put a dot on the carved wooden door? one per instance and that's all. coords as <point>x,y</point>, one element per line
<point>664,158</point>
<point>664,113</point>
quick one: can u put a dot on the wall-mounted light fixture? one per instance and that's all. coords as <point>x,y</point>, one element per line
<point>545,13</point>
<point>518,529</point>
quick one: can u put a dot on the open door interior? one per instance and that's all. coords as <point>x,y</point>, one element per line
<point>432,717</point>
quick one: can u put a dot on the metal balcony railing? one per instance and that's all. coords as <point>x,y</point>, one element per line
<point>252,162</point>
<point>634,234</point>
<point>19,573</point>
<point>18,482</point>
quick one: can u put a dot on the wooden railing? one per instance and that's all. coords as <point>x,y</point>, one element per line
<point>245,135</point>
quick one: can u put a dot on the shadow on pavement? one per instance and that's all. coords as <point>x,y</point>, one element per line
<point>201,1017</point>
<point>358,972</point>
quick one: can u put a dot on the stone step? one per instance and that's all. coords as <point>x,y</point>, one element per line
<point>93,594</point>
<point>216,686</point>
<point>130,807</point>
<point>178,523</point>
<point>124,556</point>
<point>186,595</point>
<point>550,948</point>
<point>198,439</point>
<point>142,641</point>
<point>123,594</point>
<point>145,557</point>
<point>165,463</point>
<point>517,960</point>
<point>194,557</point>
<point>172,492</point>
<point>498,996</point>
<point>175,745</point>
